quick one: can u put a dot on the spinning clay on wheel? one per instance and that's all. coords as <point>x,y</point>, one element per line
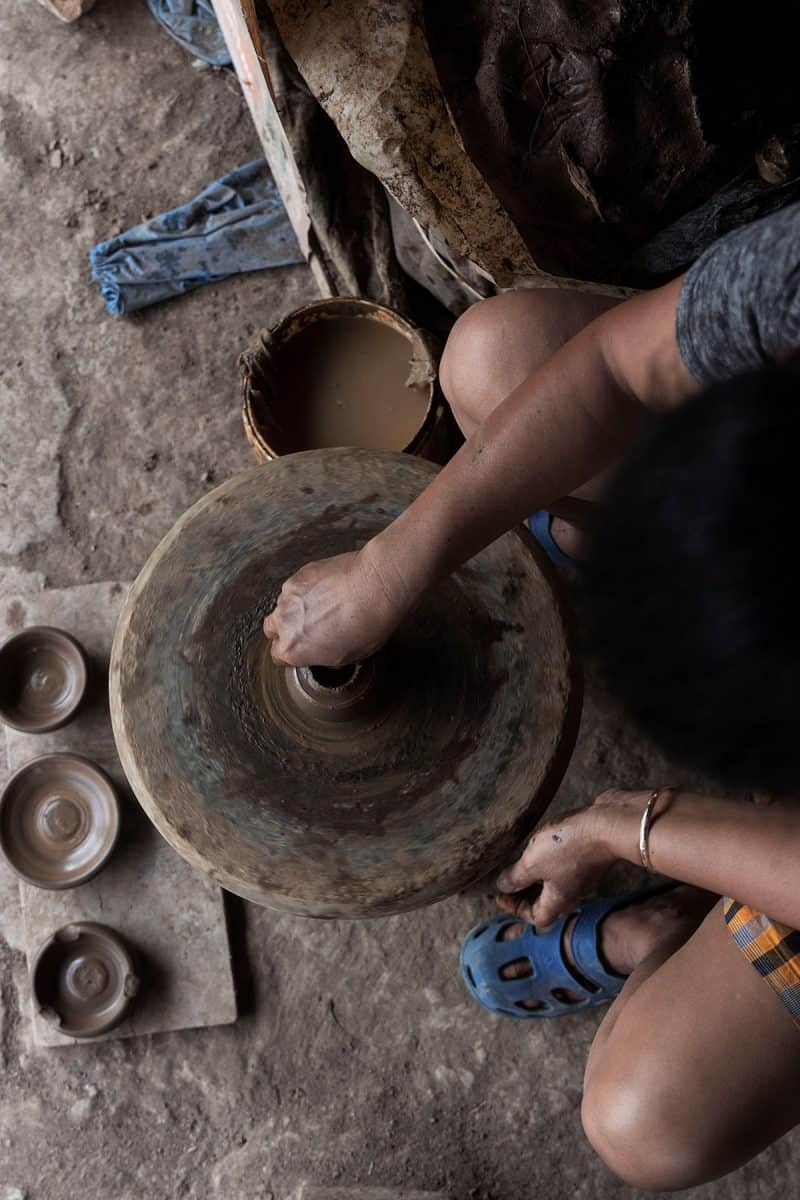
<point>356,791</point>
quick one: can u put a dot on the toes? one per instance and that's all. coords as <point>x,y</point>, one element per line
<point>520,968</point>
<point>518,905</point>
<point>567,996</point>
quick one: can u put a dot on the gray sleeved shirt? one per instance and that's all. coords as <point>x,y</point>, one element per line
<point>739,306</point>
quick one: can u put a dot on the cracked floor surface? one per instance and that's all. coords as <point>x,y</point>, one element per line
<point>359,1059</point>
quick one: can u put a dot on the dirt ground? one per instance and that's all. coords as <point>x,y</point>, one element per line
<point>359,1059</point>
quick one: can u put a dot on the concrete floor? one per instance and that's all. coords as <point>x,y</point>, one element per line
<point>359,1058</point>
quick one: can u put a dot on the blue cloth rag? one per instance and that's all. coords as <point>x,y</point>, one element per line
<point>236,224</point>
<point>193,23</point>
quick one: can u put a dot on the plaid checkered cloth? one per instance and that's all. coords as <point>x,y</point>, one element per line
<point>773,949</point>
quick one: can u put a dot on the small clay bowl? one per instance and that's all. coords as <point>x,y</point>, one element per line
<point>59,821</point>
<point>43,675</point>
<point>84,979</point>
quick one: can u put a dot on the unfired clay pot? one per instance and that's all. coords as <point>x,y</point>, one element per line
<point>84,979</point>
<point>59,821</point>
<point>43,677</point>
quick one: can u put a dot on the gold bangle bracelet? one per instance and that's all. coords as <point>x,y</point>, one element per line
<point>647,821</point>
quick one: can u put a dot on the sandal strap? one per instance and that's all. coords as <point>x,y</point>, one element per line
<point>585,940</point>
<point>585,944</point>
<point>546,952</point>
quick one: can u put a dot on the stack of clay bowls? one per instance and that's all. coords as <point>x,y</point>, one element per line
<point>59,824</point>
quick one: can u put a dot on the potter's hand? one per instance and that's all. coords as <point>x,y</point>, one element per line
<point>568,858</point>
<point>334,612</point>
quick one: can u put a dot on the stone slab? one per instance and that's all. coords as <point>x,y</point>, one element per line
<point>173,916</point>
<point>13,581</point>
<point>10,906</point>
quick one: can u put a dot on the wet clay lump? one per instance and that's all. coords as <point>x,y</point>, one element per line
<point>342,382</point>
<point>355,793</point>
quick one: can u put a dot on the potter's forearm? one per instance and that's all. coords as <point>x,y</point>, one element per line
<point>729,847</point>
<point>563,425</point>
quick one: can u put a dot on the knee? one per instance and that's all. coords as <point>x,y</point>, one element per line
<point>646,1135</point>
<point>470,371</point>
<point>498,342</point>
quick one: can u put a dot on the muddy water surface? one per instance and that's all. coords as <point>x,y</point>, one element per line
<point>342,382</point>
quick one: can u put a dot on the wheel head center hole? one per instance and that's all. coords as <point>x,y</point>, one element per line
<point>333,678</point>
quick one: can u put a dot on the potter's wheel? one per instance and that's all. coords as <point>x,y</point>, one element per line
<point>353,793</point>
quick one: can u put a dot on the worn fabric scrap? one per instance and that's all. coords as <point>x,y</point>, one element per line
<point>193,24</point>
<point>236,224</point>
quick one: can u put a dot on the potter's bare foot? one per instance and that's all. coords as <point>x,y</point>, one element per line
<point>628,936</point>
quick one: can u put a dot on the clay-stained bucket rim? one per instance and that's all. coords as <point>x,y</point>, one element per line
<point>329,309</point>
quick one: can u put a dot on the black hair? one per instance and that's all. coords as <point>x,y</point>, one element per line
<point>690,603</point>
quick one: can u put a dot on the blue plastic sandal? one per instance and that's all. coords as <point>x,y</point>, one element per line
<point>539,525</point>
<point>485,954</point>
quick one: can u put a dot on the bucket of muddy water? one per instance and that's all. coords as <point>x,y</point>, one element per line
<point>343,372</point>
